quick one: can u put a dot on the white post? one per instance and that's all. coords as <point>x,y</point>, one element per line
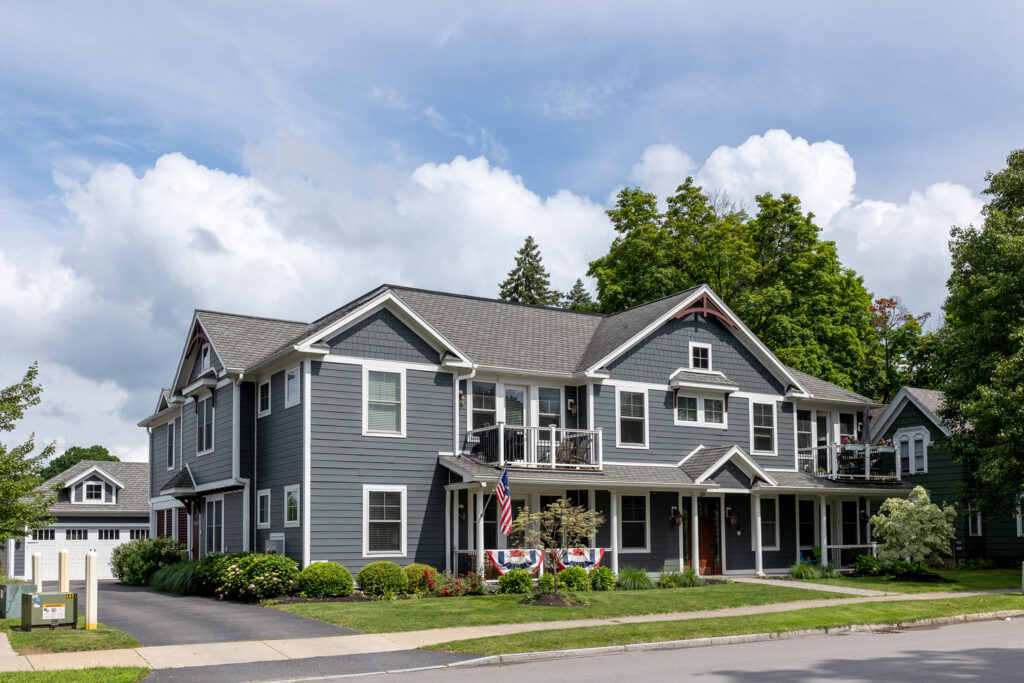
<point>823,520</point>
<point>682,534</point>
<point>553,463</point>
<point>457,494</point>
<point>796,502</point>
<point>694,536</point>
<point>480,533</point>
<point>600,448</point>
<point>447,530</point>
<point>37,571</point>
<point>91,590</point>
<point>867,461</point>
<point>615,532</point>
<point>758,559</point>
<point>501,444</point>
<point>64,572</point>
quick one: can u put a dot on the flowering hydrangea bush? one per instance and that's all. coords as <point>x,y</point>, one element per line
<point>250,577</point>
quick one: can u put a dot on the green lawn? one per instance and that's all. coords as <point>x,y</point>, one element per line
<point>424,613</point>
<point>121,674</point>
<point>66,640</point>
<point>964,580</point>
<point>815,618</point>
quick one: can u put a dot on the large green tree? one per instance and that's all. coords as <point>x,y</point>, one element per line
<point>981,354</point>
<point>904,351</point>
<point>913,528</point>
<point>578,298</point>
<point>528,282</point>
<point>21,504</point>
<point>75,455</point>
<point>772,268</point>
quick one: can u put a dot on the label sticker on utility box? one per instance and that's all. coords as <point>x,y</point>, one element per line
<point>53,611</point>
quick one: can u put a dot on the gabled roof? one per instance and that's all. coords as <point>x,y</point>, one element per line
<point>243,340</point>
<point>928,401</point>
<point>826,391</point>
<point>133,496</point>
<point>703,463</point>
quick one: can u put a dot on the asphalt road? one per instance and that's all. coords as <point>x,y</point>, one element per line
<point>982,651</point>
<point>165,619</point>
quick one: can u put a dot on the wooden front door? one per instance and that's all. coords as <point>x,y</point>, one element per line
<point>710,556</point>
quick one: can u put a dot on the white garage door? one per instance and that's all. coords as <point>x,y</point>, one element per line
<point>70,538</point>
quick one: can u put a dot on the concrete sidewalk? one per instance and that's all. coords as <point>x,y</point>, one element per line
<point>827,588</point>
<point>207,654</point>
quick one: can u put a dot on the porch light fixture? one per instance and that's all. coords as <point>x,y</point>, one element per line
<point>676,516</point>
<point>462,399</point>
<point>733,518</point>
<point>572,406</point>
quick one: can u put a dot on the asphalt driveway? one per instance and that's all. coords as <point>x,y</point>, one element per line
<point>165,619</point>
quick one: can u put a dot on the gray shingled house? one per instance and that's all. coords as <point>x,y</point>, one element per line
<point>379,430</point>
<point>99,506</point>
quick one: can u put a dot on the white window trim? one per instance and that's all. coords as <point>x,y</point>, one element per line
<point>618,417</point>
<point>270,398</point>
<point>753,520</point>
<point>977,515</point>
<point>169,445</point>
<point>775,425</point>
<point>912,434</point>
<point>259,496</point>
<point>647,524</point>
<point>85,492</point>
<point>387,488</point>
<point>367,369</point>
<point>298,388</point>
<point>213,423</point>
<point>205,358</point>
<point>700,412</point>
<point>298,492</point>
<point>223,537</point>
<point>469,400</point>
<point>535,391</point>
<point>700,345</point>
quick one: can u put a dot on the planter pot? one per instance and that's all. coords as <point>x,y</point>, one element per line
<point>853,447</point>
<point>884,450</point>
<point>10,598</point>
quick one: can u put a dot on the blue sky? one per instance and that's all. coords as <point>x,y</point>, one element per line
<point>280,159</point>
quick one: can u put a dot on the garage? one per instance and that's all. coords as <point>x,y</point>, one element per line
<point>99,506</point>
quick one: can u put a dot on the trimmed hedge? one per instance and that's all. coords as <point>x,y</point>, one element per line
<point>135,562</point>
<point>546,583</point>
<point>324,580</point>
<point>574,579</point>
<point>382,578</point>
<point>418,576</point>
<point>516,580</point>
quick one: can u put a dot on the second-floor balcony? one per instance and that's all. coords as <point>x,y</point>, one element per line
<point>543,447</point>
<point>866,462</point>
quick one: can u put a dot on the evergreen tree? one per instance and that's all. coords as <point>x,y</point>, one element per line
<point>578,298</point>
<point>528,282</point>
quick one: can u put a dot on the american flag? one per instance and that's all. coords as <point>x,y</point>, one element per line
<point>504,495</point>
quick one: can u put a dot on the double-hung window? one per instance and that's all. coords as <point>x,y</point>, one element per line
<point>632,406</point>
<point>384,409</point>
<point>384,520</point>
<point>549,407</point>
<point>170,445</point>
<point>847,427</point>
<point>700,410</point>
<point>204,425</point>
<point>291,387</point>
<point>263,509</point>
<point>763,427</point>
<point>634,523</point>
<point>913,446</point>
<point>215,525</point>
<point>292,505</point>
<point>769,524</point>
<point>804,431</point>
<point>264,398</point>
<point>485,410</point>
<point>973,523</point>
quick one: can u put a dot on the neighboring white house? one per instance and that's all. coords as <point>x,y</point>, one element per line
<point>100,505</point>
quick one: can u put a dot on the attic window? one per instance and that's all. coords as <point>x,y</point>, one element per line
<point>205,355</point>
<point>700,356</point>
<point>93,491</point>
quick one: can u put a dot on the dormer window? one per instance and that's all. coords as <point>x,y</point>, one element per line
<point>93,491</point>
<point>700,356</point>
<point>205,354</point>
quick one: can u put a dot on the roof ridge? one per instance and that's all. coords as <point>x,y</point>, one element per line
<point>659,299</point>
<point>475,297</point>
<point>251,317</point>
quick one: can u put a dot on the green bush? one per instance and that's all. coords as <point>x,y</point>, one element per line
<point>634,579</point>
<point>686,579</point>
<point>574,579</point>
<point>418,577</point>
<point>803,570</point>
<point>447,585</point>
<point>177,578</point>
<point>210,570</point>
<point>253,576</point>
<point>382,578</point>
<point>324,580</point>
<point>978,563</point>
<point>546,583</point>
<point>867,565</point>
<point>602,579</point>
<point>900,568</point>
<point>133,563</point>
<point>516,580</point>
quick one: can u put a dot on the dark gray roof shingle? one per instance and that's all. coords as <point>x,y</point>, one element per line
<point>653,475</point>
<point>134,497</point>
<point>804,480</point>
<point>929,398</point>
<point>819,388</point>
<point>703,377</point>
<point>698,463</point>
<point>242,340</point>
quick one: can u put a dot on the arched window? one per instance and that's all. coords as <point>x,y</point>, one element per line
<point>913,444</point>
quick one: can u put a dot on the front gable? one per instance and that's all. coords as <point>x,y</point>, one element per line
<point>93,486</point>
<point>382,335</point>
<point>190,366</point>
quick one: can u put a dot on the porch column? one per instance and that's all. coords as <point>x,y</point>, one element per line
<point>457,495</point>
<point>447,530</point>
<point>682,533</point>
<point>615,532</point>
<point>694,537</point>
<point>823,519</point>
<point>758,559</point>
<point>796,506</point>
<point>480,533</point>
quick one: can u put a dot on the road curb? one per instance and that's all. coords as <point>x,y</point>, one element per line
<point>522,657</point>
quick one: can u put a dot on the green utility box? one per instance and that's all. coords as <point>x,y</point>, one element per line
<point>49,610</point>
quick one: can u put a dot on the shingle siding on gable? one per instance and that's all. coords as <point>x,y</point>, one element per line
<point>382,335</point>
<point>197,363</point>
<point>343,461</point>
<point>667,349</point>
<point>279,463</point>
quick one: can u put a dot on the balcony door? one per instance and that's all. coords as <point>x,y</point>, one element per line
<point>515,405</point>
<point>822,421</point>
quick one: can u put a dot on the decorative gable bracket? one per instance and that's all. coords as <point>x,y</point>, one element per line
<point>705,306</point>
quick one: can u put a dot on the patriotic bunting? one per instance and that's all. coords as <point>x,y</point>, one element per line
<point>504,560</point>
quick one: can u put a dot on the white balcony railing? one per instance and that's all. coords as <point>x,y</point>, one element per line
<point>850,461</point>
<point>546,447</point>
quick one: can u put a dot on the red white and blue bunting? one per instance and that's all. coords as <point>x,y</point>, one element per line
<point>588,558</point>
<point>504,560</point>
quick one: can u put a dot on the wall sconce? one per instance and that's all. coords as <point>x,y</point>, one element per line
<point>676,517</point>
<point>462,399</point>
<point>733,518</point>
<point>572,407</point>
<point>462,512</point>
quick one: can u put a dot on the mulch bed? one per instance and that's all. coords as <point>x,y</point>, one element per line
<point>553,600</point>
<point>354,597</point>
<point>924,577</point>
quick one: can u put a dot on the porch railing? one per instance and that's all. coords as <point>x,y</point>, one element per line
<point>843,557</point>
<point>850,461</point>
<point>545,447</point>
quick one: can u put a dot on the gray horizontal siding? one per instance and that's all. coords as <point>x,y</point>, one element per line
<point>382,335</point>
<point>343,461</point>
<point>159,475</point>
<point>234,506</point>
<point>216,465</point>
<point>279,462</point>
<point>738,551</point>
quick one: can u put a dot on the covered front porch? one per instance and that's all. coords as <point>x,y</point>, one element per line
<point>729,519</point>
